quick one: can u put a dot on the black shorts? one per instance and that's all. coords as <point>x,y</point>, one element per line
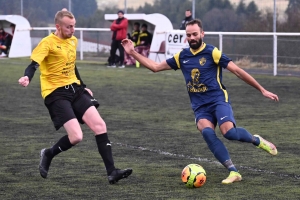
<point>68,102</point>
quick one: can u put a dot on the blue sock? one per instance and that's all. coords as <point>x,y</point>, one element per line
<point>217,147</point>
<point>242,135</point>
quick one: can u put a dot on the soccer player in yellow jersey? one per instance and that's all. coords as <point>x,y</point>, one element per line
<point>65,95</point>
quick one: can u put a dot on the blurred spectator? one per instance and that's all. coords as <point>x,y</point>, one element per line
<point>134,38</point>
<point>142,46</point>
<point>135,33</point>
<point>5,42</point>
<point>188,17</point>
<point>145,37</point>
<point>119,28</point>
<point>143,43</point>
<point>13,27</point>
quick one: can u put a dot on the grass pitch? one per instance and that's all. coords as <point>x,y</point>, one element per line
<point>151,126</point>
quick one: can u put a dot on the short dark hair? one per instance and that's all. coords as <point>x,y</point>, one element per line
<point>137,23</point>
<point>2,31</point>
<point>144,25</point>
<point>120,11</point>
<point>195,21</point>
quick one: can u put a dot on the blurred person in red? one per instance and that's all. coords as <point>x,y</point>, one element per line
<point>119,28</point>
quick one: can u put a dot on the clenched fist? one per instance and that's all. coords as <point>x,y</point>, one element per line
<point>24,81</point>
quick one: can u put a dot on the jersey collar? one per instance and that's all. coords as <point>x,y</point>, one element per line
<point>199,50</point>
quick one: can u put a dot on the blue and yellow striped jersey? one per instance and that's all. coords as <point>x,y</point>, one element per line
<point>202,71</point>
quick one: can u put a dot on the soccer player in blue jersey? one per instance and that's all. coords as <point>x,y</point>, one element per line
<point>201,65</point>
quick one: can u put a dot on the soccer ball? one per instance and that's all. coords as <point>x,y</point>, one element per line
<point>193,176</point>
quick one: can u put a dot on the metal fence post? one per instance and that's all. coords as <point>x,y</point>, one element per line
<point>275,54</point>
<point>81,44</point>
<point>220,42</point>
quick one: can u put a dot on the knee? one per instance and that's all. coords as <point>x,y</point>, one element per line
<point>76,138</point>
<point>99,127</point>
<point>232,134</point>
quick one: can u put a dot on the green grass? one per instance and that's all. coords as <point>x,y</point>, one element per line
<point>151,126</point>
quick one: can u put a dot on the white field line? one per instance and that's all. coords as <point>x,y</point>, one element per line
<point>295,176</point>
<point>172,73</point>
<point>186,156</point>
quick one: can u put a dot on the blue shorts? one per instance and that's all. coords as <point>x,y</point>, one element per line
<point>218,112</point>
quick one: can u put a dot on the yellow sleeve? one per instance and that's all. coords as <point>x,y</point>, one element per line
<point>176,57</point>
<point>41,51</point>
<point>216,54</point>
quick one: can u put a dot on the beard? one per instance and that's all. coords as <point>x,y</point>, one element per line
<point>67,36</point>
<point>194,44</point>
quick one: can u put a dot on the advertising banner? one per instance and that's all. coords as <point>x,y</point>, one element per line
<point>175,42</point>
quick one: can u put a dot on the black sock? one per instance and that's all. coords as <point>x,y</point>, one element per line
<point>104,149</point>
<point>62,145</point>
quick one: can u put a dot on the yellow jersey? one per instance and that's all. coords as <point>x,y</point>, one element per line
<point>56,58</point>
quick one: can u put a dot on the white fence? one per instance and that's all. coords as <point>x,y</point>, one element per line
<point>180,41</point>
<point>83,46</point>
<point>275,39</point>
<point>220,39</point>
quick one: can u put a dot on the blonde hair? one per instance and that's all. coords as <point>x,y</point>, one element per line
<point>60,14</point>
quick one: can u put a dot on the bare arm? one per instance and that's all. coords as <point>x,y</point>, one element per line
<point>250,80</point>
<point>148,63</point>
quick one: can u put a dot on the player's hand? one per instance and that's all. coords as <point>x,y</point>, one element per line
<point>128,45</point>
<point>270,95</point>
<point>24,81</point>
<point>89,91</point>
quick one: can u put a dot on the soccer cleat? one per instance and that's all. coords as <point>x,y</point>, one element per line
<point>233,177</point>
<point>111,65</point>
<point>122,66</point>
<point>266,145</point>
<point>118,174</point>
<point>3,55</point>
<point>44,164</point>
